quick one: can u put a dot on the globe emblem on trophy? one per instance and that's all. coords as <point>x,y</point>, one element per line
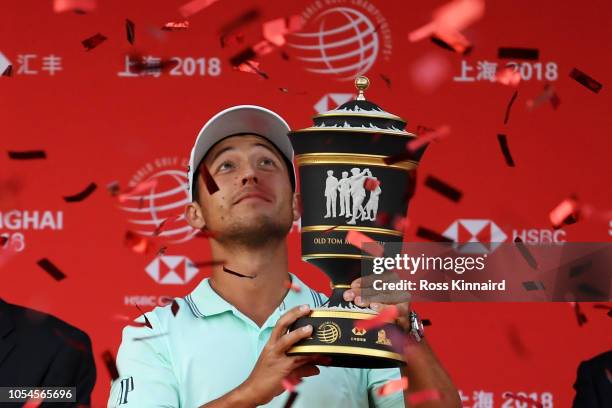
<point>345,183</point>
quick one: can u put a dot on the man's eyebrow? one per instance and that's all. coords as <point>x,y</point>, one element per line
<point>267,147</point>
<point>225,149</point>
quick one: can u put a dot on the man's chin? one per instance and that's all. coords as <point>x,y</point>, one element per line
<point>256,231</point>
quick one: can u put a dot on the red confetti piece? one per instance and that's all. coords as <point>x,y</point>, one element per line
<point>176,26</point>
<point>27,155</point>
<point>533,285</point>
<point>113,188</point>
<point>525,253</point>
<point>130,31</point>
<point>508,76</point>
<point>358,239</point>
<point>386,79</point>
<point>430,71</point>
<point>32,403</point>
<point>143,66</point>
<point>211,185</point>
<point>522,398</point>
<point>147,322</point>
<point>431,235</point>
<point>8,71</point>
<point>428,137</point>
<point>111,366</point>
<point>51,269</point>
<point>82,195</point>
<point>420,397</point>
<point>153,336</point>
<point>193,7</point>
<point>565,212</point>
<point>456,15</point>
<point>290,383</point>
<point>609,375</point>
<point>174,308</point>
<point>393,386</point>
<point>293,286</point>
<point>548,94</point>
<point>507,116</point>
<point>585,80</point>
<point>139,188</point>
<point>387,315</point>
<point>252,67</point>
<point>75,344</point>
<point>370,184</point>
<point>452,40</point>
<point>443,188</point>
<point>329,229</point>
<point>401,224</point>
<point>503,144</point>
<point>518,53</point>
<point>237,274</point>
<point>77,6</point>
<point>136,243</point>
<point>93,41</point>
<point>291,400</point>
<point>161,225</point>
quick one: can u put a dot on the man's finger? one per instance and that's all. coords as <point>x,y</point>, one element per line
<point>293,337</point>
<point>287,320</point>
<point>306,370</point>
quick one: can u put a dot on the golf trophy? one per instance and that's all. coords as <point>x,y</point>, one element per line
<point>346,185</point>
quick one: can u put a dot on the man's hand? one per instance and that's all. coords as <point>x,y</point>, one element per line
<point>363,294</point>
<point>264,382</point>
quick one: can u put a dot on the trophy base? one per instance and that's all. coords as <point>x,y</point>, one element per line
<point>334,335</point>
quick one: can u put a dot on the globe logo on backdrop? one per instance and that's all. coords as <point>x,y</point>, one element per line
<point>341,41</point>
<point>164,196</point>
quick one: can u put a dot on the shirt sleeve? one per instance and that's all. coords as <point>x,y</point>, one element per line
<point>146,378</point>
<point>378,377</point>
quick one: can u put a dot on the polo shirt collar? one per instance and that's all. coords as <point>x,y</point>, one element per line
<point>205,302</point>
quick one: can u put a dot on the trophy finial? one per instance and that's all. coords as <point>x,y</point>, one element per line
<point>361,83</point>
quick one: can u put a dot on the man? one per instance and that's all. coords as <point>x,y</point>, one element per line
<point>39,350</point>
<point>358,192</point>
<point>331,186</point>
<point>345,196</point>
<point>226,345</point>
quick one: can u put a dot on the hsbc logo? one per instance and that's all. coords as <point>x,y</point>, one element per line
<point>484,236</point>
<point>332,100</point>
<point>171,270</point>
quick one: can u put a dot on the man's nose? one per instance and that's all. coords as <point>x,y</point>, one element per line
<point>249,176</point>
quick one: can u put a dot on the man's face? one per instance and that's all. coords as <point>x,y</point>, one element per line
<point>254,202</point>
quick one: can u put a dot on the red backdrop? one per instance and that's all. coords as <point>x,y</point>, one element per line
<point>99,125</point>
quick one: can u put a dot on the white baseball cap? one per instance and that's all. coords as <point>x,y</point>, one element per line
<point>241,119</point>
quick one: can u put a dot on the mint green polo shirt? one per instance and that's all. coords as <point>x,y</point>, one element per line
<point>210,347</point>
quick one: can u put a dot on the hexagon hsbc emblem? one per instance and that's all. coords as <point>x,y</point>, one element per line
<point>171,270</point>
<point>475,235</point>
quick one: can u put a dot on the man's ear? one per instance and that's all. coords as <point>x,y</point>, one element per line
<point>297,206</point>
<point>194,215</point>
